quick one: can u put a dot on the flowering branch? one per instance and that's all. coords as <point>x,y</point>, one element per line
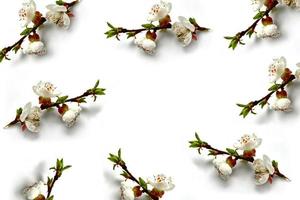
<point>58,14</point>
<point>186,29</point>
<point>277,70</point>
<point>42,191</point>
<point>260,16</point>
<point>29,117</point>
<point>226,160</point>
<point>138,186</point>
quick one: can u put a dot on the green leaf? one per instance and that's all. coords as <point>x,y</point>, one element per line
<point>241,105</point>
<point>232,152</point>
<point>130,34</point>
<point>2,56</point>
<point>97,84</point>
<point>275,164</point>
<point>16,48</point>
<point>50,198</point>
<point>62,99</point>
<point>234,42</point>
<point>148,26</point>
<point>120,154</point>
<point>192,20</point>
<point>143,184</point>
<point>263,103</point>
<point>26,31</point>
<point>229,37</point>
<point>259,15</point>
<point>99,91</point>
<point>274,87</point>
<point>67,167</point>
<point>19,111</point>
<point>81,100</point>
<point>110,25</point>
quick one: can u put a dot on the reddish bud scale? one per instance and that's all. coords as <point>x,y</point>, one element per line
<point>62,109</point>
<point>250,153</point>
<point>157,193</point>
<point>231,162</point>
<point>137,191</point>
<point>34,37</point>
<point>45,101</point>
<point>40,197</point>
<point>165,21</point>
<point>270,3</point>
<point>37,18</point>
<point>286,74</point>
<point>267,21</point>
<point>281,94</point>
<point>194,36</point>
<point>151,35</point>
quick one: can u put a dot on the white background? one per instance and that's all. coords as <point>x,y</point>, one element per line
<point>154,104</point>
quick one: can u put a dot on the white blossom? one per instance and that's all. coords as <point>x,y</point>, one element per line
<point>127,190</point>
<point>71,115</point>
<point>45,89</point>
<point>257,4</point>
<point>27,12</point>
<point>184,30</point>
<point>291,3</point>
<point>297,73</point>
<point>222,167</point>
<point>35,190</point>
<point>267,31</point>
<point>276,69</point>
<point>282,104</point>
<point>35,48</point>
<point>58,15</point>
<point>145,44</point>
<point>248,142</point>
<point>159,11</point>
<point>263,169</point>
<point>161,182</point>
<point>31,117</point>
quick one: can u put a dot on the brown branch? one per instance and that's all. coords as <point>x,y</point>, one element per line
<point>131,177</point>
<point>5,50</point>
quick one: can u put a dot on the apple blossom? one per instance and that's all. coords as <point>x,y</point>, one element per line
<point>35,48</point>
<point>45,89</point>
<point>27,12</point>
<point>184,30</point>
<point>161,182</point>
<point>127,190</point>
<point>57,14</point>
<point>223,168</point>
<point>264,170</point>
<point>248,142</point>
<point>225,160</point>
<point>34,191</point>
<point>159,11</point>
<point>30,117</point>
<point>71,115</point>
<point>145,44</point>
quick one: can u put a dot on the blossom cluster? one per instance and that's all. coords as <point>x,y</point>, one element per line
<point>133,188</point>
<point>244,149</point>
<point>43,190</point>
<point>277,98</point>
<point>159,19</point>
<point>31,20</point>
<point>264,25</point>
<point>49,97</point>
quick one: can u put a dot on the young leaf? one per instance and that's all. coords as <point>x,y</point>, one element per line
<point>148,26</point>
<point>26,31</point>
<point>62,99</point>
<point>143,183</point>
